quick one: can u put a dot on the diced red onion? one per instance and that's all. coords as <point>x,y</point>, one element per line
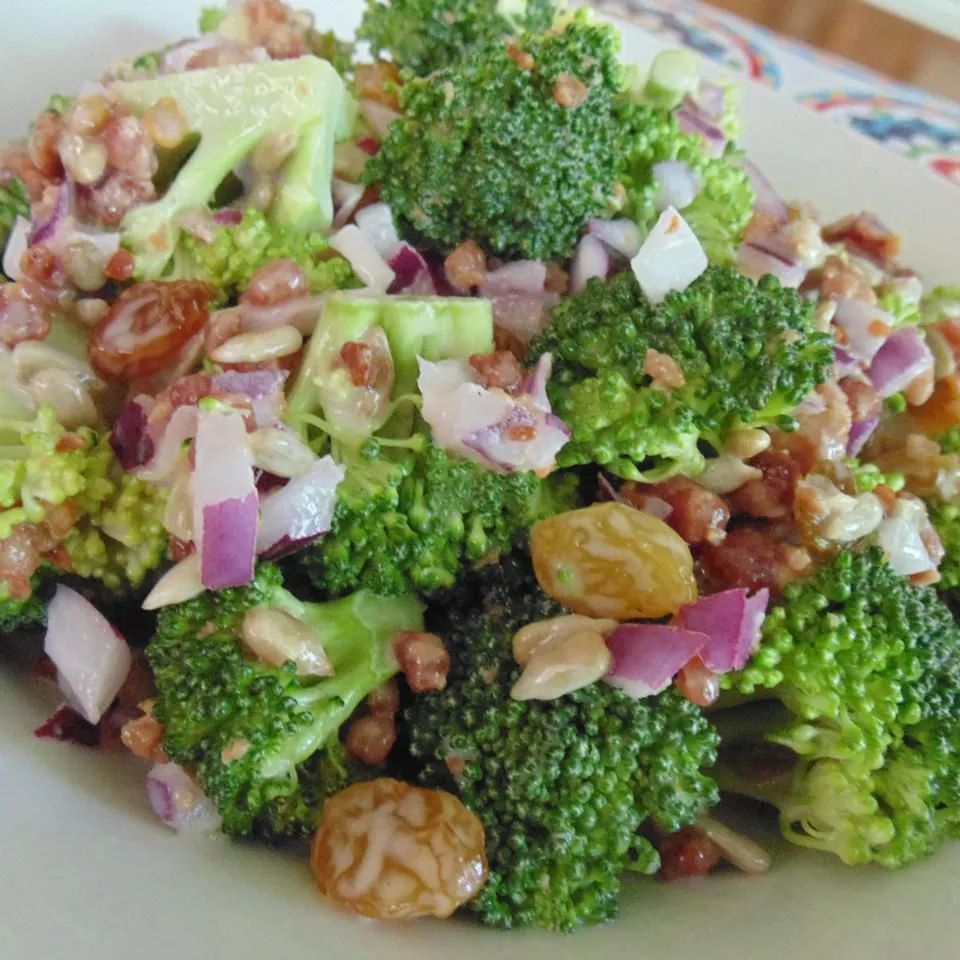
<point>168,447</point>
<point>671,257</point>
<point>523,315</point>
<point>506,455</point>
<point>768,200</point>
<point>130,438</point>
<point>254,384</point>
<point>225,503</point>
<point>732,621</point>
<point>376,221</point>
<point>755,262</point>
<point>860,432</point>
<point>521,276</point>
<point>590,261</point>
<point>714,139</point>
<point>535,382</point>
<point>379,116</point>
<point>369,266</point>
<point>412,272</point>
<point>17,244</point>
<point>709,100</point>
<point>227,217</point>
<point>44,231</point>
<point>179,802</point>
<point>865,327</point>
<point>620,235</point>
<point>678,185</point>
<point>346,199</point>
<point>300,511</point>
<point>902,358</point>
<point>91,657</point>
<point>647,656</point>
<point>843,364</point>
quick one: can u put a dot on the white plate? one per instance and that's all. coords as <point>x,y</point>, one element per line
<point>86,872</point>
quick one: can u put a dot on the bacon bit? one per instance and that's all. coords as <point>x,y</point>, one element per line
<point>520,433</point>
<point>71,442</point>
<point>357,357</point>
<point>466,267</point>
<point>837,278</point>
<point>143,737</point>
<point>687,853</point>
<point>863,400</point>
<point>499,369</point>
<point>674,225</point>
<point>378,81</point>
<point>879,329</point>
<point>68,726</point>
<point>699,684</point>
<point>697,514</point>
<point>520,57</point>
<point>41,265</point>
<point>456,764</point>
<point>770,497</point>
<point>44,668</point>
<point>887,495</point>
<point>558,280</point>
<point>274,26</point>
<point>43,145</point>
<point>278,281</point>
<point>864,233</point>
<point>423,660</point>
<point>23,315</point>
<point>942,410</point>
<point>371,738</point>
<point>926,579</point>
<point>663,370</point>
<point>235,751</point>
<point>753,557</point>
<point>180,549</point>
<point>385,700</point>
<point>569,91</point>
<point>120,266</point>
<point>369,146</point>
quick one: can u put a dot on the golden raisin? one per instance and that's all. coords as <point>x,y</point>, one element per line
<point>610,560</point>
<point>390,851</point>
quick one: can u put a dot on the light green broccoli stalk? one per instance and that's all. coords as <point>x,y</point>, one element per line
<point>230,109</point>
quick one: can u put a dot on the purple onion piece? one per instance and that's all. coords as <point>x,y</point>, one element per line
<point>860,433</point>
<point>129,437</point>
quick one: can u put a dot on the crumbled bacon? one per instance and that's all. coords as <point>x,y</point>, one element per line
<point>370,738</point>
<point>754,556</point>
<point>569,91</point>
<point>863,400</point>
<point>687,853</point>
<point>864,233</point>
<point>771,496</point>
<point>68,726</point>
<point>519,56</point>
<point>663,370</point>
<point>423,660</point>
<point>357,357</point>
<point>697,514</point>
<point>378,81</point>
<point>499,369</point>
<point>277,28</point>
<point>385,700</point>
<point>466,266</point>
<point>838,278</point>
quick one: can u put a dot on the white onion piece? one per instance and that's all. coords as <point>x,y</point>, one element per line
<point>376,221</point>
<point>900,540</point>
<point>346,199</point>
<point>865,328</point>
<point>535,382</point>
<point>169,446</point>
<point>678,186</point>
<point>523,315</point>
<point>178,585</point>
<point>521,276</point>
<point>300,511</point>
<point>768,200</point>
<point>225,507</point>
<point>17,244</point>
<point>368,264</point>
<point>902,358</point>
<point>755,262</point>
<point>671,257</point>
<point>179,802</point>
<point>91,658</point>
<point>590,261</point>
<point>620,235</point>
<point>379,116</point>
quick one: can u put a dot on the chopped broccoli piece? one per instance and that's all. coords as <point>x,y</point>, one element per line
<point>941,303</point>
<point>408,515</point>
<point>284,728</point>
<point>427,35</point>
<point>858,677</point>
<point>486,152</point>
<point>749,354</point>
<point>20,613</point>
<point>724,204</point>
<point>13,204</point>
<point>562,786</point>
<point>60,103</point>
<point>237,251</point>
<point>945,518</point>
<point>231,109</point>
<point>210,19</point>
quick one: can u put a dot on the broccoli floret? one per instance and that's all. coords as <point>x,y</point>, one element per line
<point>945,518</point>
<point>562,786</point>
<point>426,35</point>
<point>117,535</point>
<point>749,354</point>
<point>20,613</point>
<point>230,109</point>
<point>408,515</point>
<point>239,250</point>
<point>485,151</point>
<point>724,204</point>
<point>858,678</point>
<point>13,204</point>
<point>280,730</point>
<point>211,18</point>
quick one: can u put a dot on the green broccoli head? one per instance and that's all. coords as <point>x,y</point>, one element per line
<point>424,35</point>
<point>264,741</point>
<point>13,204</point>
<point>487,151</point>
<point>237,251</point>
<point>562,786</point>
<point>230,109</point>
<point>864,670</point>
<point>749,354</point>
<point>20,613</point>
<point>408,515</point>
<point>724,204</point>
<point>945,518</point>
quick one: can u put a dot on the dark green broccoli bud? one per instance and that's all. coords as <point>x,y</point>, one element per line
<point>280,730</point>
<point>724,204</point>
<point>945,518</point>
<point>858,674</point>
<point>749,354</point>
<point>426,35</point>
<point>485,151</point>
<point>20,613</point>
<point>13,204</point>
<point>562,786</point>
<point>237,251</point>
<point>211,18</point>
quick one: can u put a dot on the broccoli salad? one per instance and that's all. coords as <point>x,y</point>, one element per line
<point>449,452</point>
